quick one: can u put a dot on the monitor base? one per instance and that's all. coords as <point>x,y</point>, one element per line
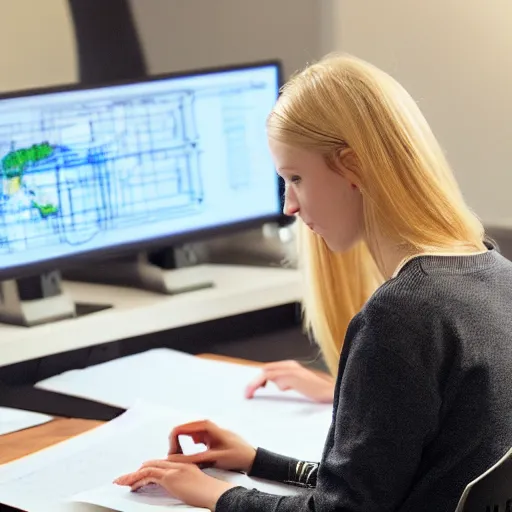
<point>38,300</point>
<point>145,273</point>
<point>268,246</point>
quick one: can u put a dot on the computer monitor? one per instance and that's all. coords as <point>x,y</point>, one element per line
<point>93,172</point>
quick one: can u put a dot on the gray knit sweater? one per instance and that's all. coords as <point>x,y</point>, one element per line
<point>423,400</point>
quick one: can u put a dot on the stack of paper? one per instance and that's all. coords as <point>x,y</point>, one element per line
<point>77,474</point>
<point>205,387</point>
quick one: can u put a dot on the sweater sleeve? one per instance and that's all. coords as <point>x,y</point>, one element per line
<point>385,412</point>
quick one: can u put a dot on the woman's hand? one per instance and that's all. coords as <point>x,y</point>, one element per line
<point>292,375</point>
<point>225,450</point>
<point>183,481</point>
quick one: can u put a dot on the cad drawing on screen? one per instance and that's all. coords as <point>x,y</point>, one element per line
<point>98,167</point>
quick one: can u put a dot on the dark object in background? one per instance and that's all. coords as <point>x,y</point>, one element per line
<point>502,237</point>
<point>29,398</point>
<point>108,44</point>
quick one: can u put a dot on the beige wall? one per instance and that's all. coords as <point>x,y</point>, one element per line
<point>37,45</point>
<point>455,57</point>
<point>185,34</point>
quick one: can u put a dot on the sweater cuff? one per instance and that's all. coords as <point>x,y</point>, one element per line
<point>271,466</point>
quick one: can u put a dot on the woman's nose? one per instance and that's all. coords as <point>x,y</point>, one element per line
<point>291,205</point>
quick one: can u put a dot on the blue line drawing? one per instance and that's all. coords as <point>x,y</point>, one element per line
<point>112,166</point>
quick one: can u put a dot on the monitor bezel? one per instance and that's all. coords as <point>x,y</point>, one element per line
<point>154,243</point>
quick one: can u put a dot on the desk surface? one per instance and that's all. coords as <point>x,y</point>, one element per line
<point>238,289</point>
<point>19,444</point>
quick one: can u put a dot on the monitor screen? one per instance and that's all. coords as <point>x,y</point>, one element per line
<point>88,170</point>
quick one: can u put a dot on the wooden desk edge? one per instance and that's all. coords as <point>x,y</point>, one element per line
<point>25,442</point>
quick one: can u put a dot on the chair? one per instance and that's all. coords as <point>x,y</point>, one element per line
<point>491,491</point>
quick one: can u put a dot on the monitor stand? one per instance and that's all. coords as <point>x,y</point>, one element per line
<point>160,272</point>
<point>38,300</point>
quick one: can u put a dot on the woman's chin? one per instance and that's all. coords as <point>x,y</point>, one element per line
<point>339,246</point>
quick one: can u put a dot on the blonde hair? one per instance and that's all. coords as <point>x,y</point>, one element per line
<point>409,192</point>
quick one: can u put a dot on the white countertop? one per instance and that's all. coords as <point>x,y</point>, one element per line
<point>237,290</point>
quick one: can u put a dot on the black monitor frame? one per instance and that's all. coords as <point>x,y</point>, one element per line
<point>63,262</point>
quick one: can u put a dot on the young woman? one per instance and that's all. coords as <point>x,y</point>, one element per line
<point>357,284</point>
<point>423,394</point>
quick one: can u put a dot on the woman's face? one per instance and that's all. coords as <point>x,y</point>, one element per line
<point>324,199</point>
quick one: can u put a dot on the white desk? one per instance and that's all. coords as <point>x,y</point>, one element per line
<point>237,290</point>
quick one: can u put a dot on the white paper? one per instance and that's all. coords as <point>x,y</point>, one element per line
<point>12,420</point>
<point>164,376</point>
<point>83,467</point>
<point>186,382</point>
<point>121,498</point>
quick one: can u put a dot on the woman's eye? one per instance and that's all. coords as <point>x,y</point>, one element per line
<point>295,179</point>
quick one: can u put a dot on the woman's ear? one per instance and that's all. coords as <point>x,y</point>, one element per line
<point>348,164</point>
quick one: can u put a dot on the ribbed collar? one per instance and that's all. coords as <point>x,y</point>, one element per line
<point>455,264</point>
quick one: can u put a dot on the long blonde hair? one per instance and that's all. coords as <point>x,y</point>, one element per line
<point>409,192</point>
